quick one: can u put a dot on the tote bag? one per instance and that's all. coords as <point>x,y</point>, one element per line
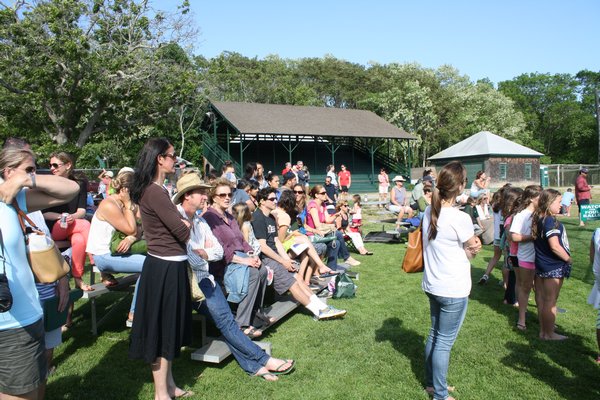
<point>413,258</point>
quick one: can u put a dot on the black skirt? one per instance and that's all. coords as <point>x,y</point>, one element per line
<point>163,311</point>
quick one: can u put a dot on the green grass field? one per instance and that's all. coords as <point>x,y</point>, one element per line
<point>375,352</point>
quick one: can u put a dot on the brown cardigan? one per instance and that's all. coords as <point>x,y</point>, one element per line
<point>164,231</point>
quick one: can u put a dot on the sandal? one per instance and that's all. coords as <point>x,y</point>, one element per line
<point>284,371</point>
<point>252,332</point>
<point>430,390</point>
<point>109,280</point>
<point>265,318</point>
<point>521,327</point>
<point>267,376</point>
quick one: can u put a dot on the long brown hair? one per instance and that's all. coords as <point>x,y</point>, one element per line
<point>542,210</point>
<point>511,201</point>
<point>450,183</point>
<point>530,193</point>
<point>241,213</point>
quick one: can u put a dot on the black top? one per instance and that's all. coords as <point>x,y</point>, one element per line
<point>264,227</point>
<point>79,201</point>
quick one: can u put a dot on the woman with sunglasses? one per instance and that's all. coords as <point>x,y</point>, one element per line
<point>68,221</point>
<point>317,216</point>
<point>24,357</point>
<point>238,259</point>
<point>163,310</point>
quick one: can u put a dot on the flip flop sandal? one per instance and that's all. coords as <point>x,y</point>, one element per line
<point>329,274</point>
<point>264,376</point>
<point>186,393</point>
<point>252,332</point>
<point>265,318</point>
<point>280,371</point>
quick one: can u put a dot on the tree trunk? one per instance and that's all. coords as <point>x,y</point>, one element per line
<point>89,127</point>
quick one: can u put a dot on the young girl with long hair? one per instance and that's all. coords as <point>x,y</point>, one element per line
<point>520,233</point>
<point>552,260</point>
<point>498,228</point>
<point>512,198</point>
<point>448,244</point>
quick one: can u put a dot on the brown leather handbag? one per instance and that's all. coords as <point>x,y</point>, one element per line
<point>413,258</point>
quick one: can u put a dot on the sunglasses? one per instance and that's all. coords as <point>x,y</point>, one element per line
<point>272,199</point>
<point>299,191</point>
<point>223,195</point>
<point>30,170</point>
<point>172,156</point>
<point>55,165</point>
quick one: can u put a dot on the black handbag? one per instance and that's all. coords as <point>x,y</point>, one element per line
<point>6,299</point>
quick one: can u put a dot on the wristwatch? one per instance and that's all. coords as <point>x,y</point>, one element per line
<point>33,183</point>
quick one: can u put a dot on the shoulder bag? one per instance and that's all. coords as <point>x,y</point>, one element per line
<point>137,247</point>
<point>46,262</point>
<point>413,258</point>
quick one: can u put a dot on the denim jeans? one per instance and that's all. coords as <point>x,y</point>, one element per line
<point>447,315</point>
<point>250,357</point>
<point>333,249</point>
<point>343,253</point>
<point>131,263</point>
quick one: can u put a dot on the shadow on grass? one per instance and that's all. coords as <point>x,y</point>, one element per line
<point>574,374</point>
<point>405,341</point>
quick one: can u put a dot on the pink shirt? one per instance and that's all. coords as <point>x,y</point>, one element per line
<point>309,219</point>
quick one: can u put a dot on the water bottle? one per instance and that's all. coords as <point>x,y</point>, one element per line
<point>366,198</point>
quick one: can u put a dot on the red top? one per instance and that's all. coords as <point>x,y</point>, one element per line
<point>285,171</point>
<point>344,178</point>
<point>583,191</point>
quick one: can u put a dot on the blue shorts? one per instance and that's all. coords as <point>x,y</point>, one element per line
<point>559,273</point>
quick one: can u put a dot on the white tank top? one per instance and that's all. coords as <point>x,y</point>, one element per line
<point>99,237</point>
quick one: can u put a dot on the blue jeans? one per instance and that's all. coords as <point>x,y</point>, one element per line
<point>333,249</point>
<point>447,315</point>
<point>250,357</point>
<point>130,263</point>
<point>343,253</point>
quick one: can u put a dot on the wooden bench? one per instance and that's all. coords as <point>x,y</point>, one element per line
<point>126,285</point>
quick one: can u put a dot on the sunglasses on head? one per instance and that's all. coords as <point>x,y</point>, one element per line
<point>55,165</point>
<point>223,195</point>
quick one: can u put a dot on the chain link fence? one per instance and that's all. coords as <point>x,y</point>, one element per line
<point>564,175</point>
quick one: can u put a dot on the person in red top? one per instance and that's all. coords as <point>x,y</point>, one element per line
<point>583,191</point>
<point>344,180</point>
<point>288,168</point>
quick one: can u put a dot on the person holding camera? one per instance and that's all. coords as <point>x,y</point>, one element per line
<point>21,324</point>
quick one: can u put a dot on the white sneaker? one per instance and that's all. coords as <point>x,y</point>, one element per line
<point>352,262</point>
<point>330,313</point>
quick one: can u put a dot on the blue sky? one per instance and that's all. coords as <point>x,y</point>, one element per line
<point>483,39</point>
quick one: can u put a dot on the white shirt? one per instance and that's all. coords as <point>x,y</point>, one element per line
<point>497,222</point>
<point>522,224</point>
<point>447,269</point>
<point>199,234</point>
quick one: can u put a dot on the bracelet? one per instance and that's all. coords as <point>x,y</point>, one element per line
<point>33,183</point>
<point>131,238</point>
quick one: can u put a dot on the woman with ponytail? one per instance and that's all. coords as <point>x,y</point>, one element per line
<point>552,260</point>
<point>449,243</point>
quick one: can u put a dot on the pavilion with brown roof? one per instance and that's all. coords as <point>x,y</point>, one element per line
<point>252,131</point>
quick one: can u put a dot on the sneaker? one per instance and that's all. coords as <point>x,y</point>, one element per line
<point>484,279</point>
<point>314,288</point>
<point>330,313</point>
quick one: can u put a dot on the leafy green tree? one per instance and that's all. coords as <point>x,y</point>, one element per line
<point>92,71</point>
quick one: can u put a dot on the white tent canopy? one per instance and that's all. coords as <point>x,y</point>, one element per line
<point>485,144</point>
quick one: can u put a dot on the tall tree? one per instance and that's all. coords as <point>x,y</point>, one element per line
<point>79,68</point>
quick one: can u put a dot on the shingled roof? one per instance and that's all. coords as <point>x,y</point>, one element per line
<point>485,144</point>
<point>255,118</point>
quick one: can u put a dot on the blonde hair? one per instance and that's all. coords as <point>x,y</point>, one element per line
<point>12,157</point>
<point>219,182</point>
<point>241,213</point>
<point>123,180</point>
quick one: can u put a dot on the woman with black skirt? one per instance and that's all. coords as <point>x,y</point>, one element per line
<point>163,312</point>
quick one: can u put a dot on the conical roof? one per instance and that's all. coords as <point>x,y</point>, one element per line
<point>485,144</point>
